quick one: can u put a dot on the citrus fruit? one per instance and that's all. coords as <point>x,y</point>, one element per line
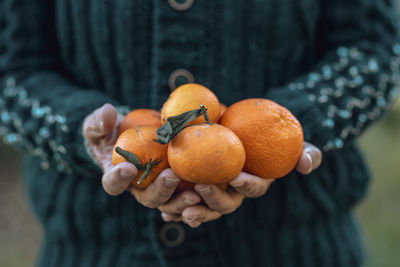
<point>271,136</point>
<point>206,154</point>
<point>222,109</point>
<point>152,155</point>
<point>188,97</point>
<point>140,117</point>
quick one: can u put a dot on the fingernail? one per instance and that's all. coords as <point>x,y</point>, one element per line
<point>310,160</point>
<point>191,219</point>
<point>204,190</point>
<point>237,185</point>
<point>170,182</point>
<point>125,174</point>
<point>189,201</point>
<point>191,216</point>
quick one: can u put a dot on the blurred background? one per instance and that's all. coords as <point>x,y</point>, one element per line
<point>379,214</point>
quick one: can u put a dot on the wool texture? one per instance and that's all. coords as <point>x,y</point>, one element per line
<point>333,63</point>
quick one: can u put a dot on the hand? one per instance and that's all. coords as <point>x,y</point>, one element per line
<point>245,185</point>
<point>217,201</point>
<point>310,159</point>
<point>100,130</point>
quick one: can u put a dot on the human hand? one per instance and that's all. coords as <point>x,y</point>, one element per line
<point>219,202</point>
<point>100,129</point>
<point>310,159</point>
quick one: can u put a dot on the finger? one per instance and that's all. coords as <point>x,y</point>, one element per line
<point>100,123</point>
<point>196,215</point>
<point>310,159</point>
<point>250,185</point>
<point>223,202</point>
<point>117,179</point>
<point>177,204</point>
<point>158,192</point>
<point>168,217</point>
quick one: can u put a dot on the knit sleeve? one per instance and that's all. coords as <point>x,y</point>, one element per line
<point>41,110</point>
<point>357,78</point>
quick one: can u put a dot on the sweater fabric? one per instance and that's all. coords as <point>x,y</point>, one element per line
<point>333,63</point>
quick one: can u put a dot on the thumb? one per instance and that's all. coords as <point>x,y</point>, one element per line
<point>100,123</point>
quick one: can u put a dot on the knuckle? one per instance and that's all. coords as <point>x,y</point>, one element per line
<point>215,204</point>
<point>263,191</point>
<point>243,185</point>
<point>250,192</point>
<point>149,203</point>
<point>227,210</point>
<point>178,209</point>
<point>246,184</point>
<point>221,208</point>
<point>202,216</point>
<point>162,208</point>
<point>164,192</point>
<point>256,193</point>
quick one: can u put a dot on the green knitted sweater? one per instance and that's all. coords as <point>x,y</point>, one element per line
<point>333,63</point>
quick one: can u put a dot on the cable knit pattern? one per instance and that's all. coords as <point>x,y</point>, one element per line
<point>333,63</point>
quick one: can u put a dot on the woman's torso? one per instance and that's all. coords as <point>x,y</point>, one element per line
<point>239,49</point>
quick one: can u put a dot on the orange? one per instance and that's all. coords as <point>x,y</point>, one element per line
<point>222,109</point>
<point>184,185</point>
<point>206,154</point>
<point>188,97</point>
<point>140,117</point>
<point>139,141</point>
<point>271,135</point>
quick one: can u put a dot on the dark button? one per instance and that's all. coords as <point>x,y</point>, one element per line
<point>179,77</point>
<point>180,5</point>
<point>172,234</point>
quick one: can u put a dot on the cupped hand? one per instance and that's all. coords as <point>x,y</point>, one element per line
<point>218,202</point>
<point>100,129</point>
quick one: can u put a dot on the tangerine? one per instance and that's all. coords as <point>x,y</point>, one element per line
<point>140,117</point>
<point>271,135</point>
<point>222,109</point>
<point>188,97</point>
<point>140,142</point>
<point>206,154</point>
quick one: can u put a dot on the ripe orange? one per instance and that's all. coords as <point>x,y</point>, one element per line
<point>140,117</point>
<point>222,109</point>
<point>184,185</point>
<point>206,154</point>
<point>188,97</point>
<point>271,135</point>
<point>139,141</point>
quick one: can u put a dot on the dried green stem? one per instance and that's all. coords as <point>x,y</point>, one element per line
<point>147,171</point>
<point>130,157</point>
<point>175,124</point>
<point>205,114</point>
